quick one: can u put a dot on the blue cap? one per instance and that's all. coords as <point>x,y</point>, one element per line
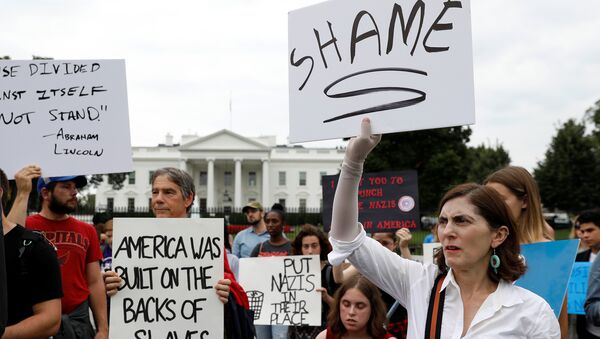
<point>80,181</point>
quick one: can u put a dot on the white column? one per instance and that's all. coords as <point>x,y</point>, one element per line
<point>237,194</point>
<point>210,183</point>
<point>266,199</point>
<point>183,165</point>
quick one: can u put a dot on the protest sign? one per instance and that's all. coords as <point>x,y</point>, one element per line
<point>578,285</point>
<point>429,250</point>
<point>282,290</point>
<point>408,65</point>
<point>550,284</point>
<point>68,116</point>
<point>169,268</point>
<point>387,201</point>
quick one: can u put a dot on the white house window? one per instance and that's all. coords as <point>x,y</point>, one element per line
<point>321,175</point>
<point>203,178</point>
<point>227,178</point>
<point>131,178</point>
<point>302,177</point>
<point>281,178</point>
<point>252,179</point>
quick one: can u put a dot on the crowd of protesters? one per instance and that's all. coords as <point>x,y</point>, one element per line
<point>60,278</point>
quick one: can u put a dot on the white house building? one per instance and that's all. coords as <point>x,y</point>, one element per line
<point>230,170</point>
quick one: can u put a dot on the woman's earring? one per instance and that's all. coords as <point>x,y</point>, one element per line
<point>495,261</point>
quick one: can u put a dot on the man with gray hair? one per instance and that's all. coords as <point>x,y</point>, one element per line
<point>173,194</point>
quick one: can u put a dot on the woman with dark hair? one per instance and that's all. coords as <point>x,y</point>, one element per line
<point>312,241</point>
<point>469,292</point>
<point>357,312</point>
<point>277,245</point>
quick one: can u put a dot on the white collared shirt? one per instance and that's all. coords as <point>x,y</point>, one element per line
<point>509,312</point>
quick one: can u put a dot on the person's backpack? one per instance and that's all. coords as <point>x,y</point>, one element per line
<point>28,239</point>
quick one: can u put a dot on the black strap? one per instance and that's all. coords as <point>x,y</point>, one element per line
<point>3,292</point>
<point>433,327</point>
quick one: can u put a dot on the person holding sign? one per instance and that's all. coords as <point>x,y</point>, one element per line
<point>277,245</point>
<point>469,292</point>
<point>33,274</point>
<point>357,312</point>
<point>312,241</point>
<point>173,194</point>
<point>589,224</point>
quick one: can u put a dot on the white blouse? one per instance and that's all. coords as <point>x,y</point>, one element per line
<point>509,312</point>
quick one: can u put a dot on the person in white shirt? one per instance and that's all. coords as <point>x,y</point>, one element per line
<point>472,280</point>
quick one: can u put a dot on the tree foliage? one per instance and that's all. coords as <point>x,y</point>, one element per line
<point>441,158</point>
<point>569,176</point>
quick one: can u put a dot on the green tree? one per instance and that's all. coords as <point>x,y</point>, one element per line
<point>568,177</point>
<point>484,160</point>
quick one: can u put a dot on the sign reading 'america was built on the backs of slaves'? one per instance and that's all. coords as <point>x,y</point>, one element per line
<point>406,64</point>
<point>57,112</point>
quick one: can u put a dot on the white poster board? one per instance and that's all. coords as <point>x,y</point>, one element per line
<point>68,116</point>
<point>282,290</point>
<point>408,65</point>
<point>429,250</point>
<point>169,267</point>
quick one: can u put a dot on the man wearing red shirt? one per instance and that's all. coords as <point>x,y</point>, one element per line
<point>78,254</point>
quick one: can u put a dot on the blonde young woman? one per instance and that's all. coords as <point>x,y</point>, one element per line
<point>521,194</point>
<point>474,294</point>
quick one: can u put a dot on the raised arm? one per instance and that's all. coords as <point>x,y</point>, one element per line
<point>344,222</point>
<point>18,212</point>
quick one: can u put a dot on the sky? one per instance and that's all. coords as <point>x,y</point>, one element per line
<point>202,66</point>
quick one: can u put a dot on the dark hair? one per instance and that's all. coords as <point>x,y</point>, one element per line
<point>371,292</point>
<point>179,178</point>
<point>310,230</point>
<point>277,208</point>
<point>489,204</point>
<point>100,218</point>
<point>588,216</point>
<point>4,186</point>
<point>530,226</point>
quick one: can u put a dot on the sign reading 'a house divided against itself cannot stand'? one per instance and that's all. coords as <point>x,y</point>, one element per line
<point>58,112</point>
<point>408,65</point>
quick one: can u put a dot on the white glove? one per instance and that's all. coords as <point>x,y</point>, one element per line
<point>359,147</point>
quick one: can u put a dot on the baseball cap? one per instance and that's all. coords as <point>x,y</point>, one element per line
<point>253,204</point>
<point>79,180</point>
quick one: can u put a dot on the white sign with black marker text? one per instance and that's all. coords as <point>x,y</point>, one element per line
<point>68,116</point>
<point>169,267</point>
<point>282,290</point>
<point>407,65</point>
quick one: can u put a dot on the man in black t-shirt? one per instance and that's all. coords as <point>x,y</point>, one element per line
<point>32,279</point>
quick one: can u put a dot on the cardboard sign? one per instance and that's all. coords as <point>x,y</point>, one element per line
<point>429,250</point>
<point>282,290</point>
<point>408,65</point>
<point>68,116</point>
<point>578,286</point>
<point>169,268</point>
<point>549,266</point>
<point>387,201</point>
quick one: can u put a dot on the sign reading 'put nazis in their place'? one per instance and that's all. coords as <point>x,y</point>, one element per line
<point>386,200</point>
<point>57,112</point>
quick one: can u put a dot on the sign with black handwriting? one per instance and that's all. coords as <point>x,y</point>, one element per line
<point>169,267</point>
<point>283,290</point>
<point>68,116</point>
<point>578,285</point>
<point>408,65</point>
<point>387,201</point>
